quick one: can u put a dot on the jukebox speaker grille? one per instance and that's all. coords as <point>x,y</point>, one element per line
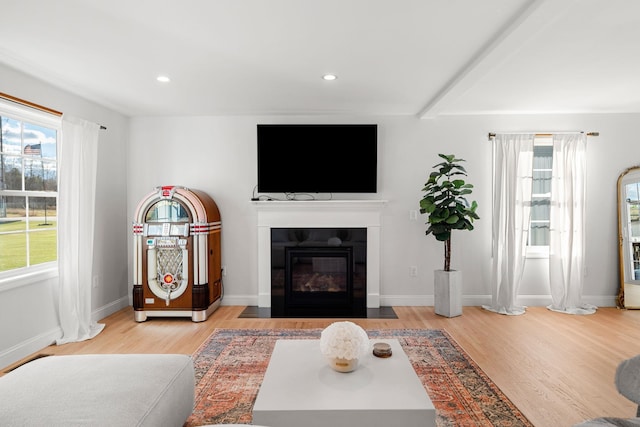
<point>170,261</point>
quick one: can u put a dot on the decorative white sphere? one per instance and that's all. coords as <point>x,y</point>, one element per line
<point>344,340</point>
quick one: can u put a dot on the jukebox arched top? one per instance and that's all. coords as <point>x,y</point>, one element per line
<point>175,204</point>
<point>167,211</point>
<point>176,263</point>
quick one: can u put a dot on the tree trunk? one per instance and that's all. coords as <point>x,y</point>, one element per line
<point>447,254</point>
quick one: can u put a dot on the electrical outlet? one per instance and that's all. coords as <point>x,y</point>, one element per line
<point>413,215</point>
<point>96,281</point>
<point>413,271</point>
<point>224,270</point>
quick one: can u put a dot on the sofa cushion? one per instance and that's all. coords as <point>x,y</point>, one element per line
<point>99,390</point>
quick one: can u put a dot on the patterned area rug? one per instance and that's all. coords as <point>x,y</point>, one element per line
<point>230,366</point>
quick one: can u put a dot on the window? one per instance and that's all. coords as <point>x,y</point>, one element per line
<point>28,189</point>
<point>538,244</point>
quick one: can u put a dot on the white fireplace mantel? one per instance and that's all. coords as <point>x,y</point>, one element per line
<point>318,214</point>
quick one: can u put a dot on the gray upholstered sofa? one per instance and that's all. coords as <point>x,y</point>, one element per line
<point>627,380</point>
<point>99,390</point>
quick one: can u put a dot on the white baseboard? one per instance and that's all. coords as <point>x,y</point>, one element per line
<point>540,300</point>
<point>109,309</point>
<point>251,300</point>
<point>428,300</point>
<point>479,300</point>
<point>45,339</point>
<point>406,300</point>
<point>30,346</point>
<point>601,301</point>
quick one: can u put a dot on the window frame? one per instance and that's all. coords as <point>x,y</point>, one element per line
<point>23,276</point>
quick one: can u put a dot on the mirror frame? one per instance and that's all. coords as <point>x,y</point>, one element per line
<point>621,238</point>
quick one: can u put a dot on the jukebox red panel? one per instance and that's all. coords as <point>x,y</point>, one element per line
<point>176,255</point>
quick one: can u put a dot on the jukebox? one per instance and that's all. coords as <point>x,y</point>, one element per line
<point>176,255</point>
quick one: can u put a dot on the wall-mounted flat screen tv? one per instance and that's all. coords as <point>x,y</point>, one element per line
<point>317,158</point>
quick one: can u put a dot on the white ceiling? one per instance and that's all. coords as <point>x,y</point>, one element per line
<point>416,57</point>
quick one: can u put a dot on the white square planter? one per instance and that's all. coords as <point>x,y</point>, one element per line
<point>447,293</point>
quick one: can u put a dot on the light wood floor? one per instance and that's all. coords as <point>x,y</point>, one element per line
<point>557,368</point>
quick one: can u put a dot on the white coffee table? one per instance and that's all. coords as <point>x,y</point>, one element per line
<point>301,390</point>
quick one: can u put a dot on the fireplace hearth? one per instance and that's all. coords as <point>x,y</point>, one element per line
<point>318,272</point>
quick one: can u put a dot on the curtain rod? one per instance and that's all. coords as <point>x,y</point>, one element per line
<point>33,105</point>
<point>538,134</point>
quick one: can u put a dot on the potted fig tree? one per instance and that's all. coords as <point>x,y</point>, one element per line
<point>447,209</point>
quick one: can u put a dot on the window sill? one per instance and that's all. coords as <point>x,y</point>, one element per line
<point>29,277</point>
<point>539,252</point>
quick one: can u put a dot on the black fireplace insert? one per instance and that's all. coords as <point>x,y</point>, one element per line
<point>319,272</point>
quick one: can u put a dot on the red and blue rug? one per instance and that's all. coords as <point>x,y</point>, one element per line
<point>231,363</point>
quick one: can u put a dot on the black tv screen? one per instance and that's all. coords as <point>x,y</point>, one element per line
<point>326,158</point>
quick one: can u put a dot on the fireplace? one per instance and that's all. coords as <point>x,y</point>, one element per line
<point>318,272</point>
<point>318,214</point>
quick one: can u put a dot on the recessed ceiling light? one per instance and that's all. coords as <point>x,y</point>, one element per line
<point>329,77</point>
<point>163,79</point>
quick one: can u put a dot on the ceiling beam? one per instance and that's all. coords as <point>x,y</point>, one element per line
<point>528,21</point>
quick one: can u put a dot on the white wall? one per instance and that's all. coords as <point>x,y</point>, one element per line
<point>218,155</point>
<point>29,313</point>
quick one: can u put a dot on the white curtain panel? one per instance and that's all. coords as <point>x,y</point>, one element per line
<point>567,216</point>
<point>77,164</point>
<point>512,180</point>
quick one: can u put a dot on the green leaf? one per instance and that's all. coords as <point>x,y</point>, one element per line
<point>452,219</point>
<point>460,168</point>
<point>435,219</point>
<point>444,236</point>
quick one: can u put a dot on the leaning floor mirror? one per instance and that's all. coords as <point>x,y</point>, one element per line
<point>629,237</point>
